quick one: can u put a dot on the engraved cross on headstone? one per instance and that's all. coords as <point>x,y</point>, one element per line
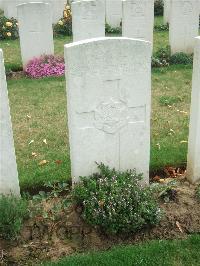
<point>112,116</point>
<point>113,111</point>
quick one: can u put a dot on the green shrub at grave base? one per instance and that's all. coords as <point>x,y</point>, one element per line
<point>163,57</point>
<point>161,27</point>
<point>13,211</point>
<point>110,30</point>
<point>64,25</point>
<point>115,201</point>
<point>158,7</point>
<point>181,58</point>
<point>8,29</point>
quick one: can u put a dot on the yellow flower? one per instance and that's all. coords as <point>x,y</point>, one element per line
<point>9,34</point>
<point>65,14</point>
<point>60,22</point>
<point>9,24</point>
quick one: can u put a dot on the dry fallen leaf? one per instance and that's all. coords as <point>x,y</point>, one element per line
<point>179,226</point>
<point>43,162</point>
<point>158,145</point>
<point>162,180</point>
<point>170,171</point>
<point>58,161</point>
<point>28,116</point>
<point>31,141</point>
<point>156,178</point>
<point>183,141</point>
<point>45,141</point>
<point>34,154</point>
<point>183,112</point>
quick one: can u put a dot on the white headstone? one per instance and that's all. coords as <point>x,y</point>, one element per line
<point>166,11</point>
<point>9,182</point>
<point>10,9</point>
<point>184,25</point>
<point>35,30</point>
<point>88,19</point>
<point>108,92</point>
<point>114,12</point>
<point>193,159</point>
<point>57,7</point>
<point>138,19</point>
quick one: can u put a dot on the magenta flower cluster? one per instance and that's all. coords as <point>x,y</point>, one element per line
<point>45,66</point>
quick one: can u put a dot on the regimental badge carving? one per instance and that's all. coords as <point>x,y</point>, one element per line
<point>111,116</point>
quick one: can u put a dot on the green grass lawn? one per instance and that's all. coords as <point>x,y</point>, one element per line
<point>45,101</point>
<point>154,253</point>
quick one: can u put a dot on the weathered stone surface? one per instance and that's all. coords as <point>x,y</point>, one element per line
<point>88,19</point>
<point>35,30</point>
<point>108,91</point>
<point>166,15</point>
<point>184,25</point>
<point>10,9</point>
<point>57,7</point>
<point>138,19</point>
<point>114,12</point>
<point>193,159</point>
<point>8,168</point>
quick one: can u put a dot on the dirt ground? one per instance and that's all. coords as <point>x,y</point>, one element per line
<point>46,240</point>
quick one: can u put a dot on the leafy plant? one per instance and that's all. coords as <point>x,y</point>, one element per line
<point>42,201</point>
<point>8,28</point>
<point>161,57</point>
<point>163,54</point>
<point>181,58</point>
<point>161,27</point>
<point>64,25</point>
<point>158,7</point>
<point>111,30</point>
<point>115,201</point>
<point>13,211</point>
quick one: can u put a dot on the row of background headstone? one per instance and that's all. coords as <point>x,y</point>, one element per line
<point>113,9</point>
<point>10,7</point>
<point>88,21</point>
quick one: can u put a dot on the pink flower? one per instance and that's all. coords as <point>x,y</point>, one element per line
<point>45,66</point>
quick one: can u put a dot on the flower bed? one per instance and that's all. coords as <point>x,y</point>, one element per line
<point>45,66</point>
